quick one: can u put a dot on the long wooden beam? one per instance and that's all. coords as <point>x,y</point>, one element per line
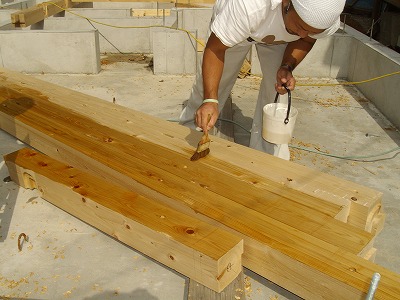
<point>164,171</point>
<point>347,201</point>
<point>194,248</point>
<point>317,260</point>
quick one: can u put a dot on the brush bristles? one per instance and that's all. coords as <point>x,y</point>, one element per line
<point>198,155</point>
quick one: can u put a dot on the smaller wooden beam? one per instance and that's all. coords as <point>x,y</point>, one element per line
<point>194,248</point>
<point>35,14</point>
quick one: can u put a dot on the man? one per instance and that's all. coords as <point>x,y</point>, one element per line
<point>283,31</point>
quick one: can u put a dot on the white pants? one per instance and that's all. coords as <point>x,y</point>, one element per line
<point>270,58</point>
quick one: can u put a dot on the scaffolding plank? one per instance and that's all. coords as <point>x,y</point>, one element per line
<point>194,248</point>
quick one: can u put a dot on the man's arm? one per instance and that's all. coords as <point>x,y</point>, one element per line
<point>294,54</point>
<point>213,64</point>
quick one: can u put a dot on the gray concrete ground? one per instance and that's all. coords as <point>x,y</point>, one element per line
<point>68,259</point>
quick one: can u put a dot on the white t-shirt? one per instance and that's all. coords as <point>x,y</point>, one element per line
<point>235,21</point>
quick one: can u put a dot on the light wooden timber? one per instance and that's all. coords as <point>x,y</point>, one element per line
<point>194,248</point>
<point>170,173</point>
<point>38,13</point>
<point>135,12</point>
<point>350,202</point>
<point>297,260</point>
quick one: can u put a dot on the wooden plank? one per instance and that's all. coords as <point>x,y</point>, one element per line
<point>196,249</point>
<point>297,260</point>
<point>345,197</point>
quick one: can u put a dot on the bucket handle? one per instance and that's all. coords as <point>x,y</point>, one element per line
<point>289,102</point>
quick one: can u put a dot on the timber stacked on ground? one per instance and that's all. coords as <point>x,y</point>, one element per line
<point>286,214</point>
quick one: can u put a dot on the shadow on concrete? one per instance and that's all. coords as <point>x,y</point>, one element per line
<point>138,294</point>
<point>8,199</point>
<point>14,105</point>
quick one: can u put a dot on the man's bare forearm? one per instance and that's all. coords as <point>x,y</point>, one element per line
<point>213,65</point>
<point>296,51</point>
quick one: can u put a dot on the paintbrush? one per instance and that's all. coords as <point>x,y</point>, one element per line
<point>203,147</point>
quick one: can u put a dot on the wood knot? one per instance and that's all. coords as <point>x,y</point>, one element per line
<point>190,231</point>
<point>353,198</point>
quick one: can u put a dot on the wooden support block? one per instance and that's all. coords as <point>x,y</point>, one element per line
<point>196,249</point>
<point>135,12</point>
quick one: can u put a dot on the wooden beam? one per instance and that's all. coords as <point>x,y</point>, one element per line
<point>38,13</point>
<point>158,168</point>
<point>345,200</point>
<point>312,261</point>
<point>194,248</point>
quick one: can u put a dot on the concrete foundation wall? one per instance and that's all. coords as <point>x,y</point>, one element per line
<point>370,59</point>
<point>22,4</point>
<point>114,39</point>
<point>174,52</point>
<point>50,51</point>
<point>195,18</point>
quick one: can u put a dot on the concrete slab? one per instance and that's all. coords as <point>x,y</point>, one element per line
<point>65,258</point>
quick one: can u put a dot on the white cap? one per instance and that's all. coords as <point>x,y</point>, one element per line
<point>320,14</point>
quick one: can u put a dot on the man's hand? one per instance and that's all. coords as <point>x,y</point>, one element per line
<point>284,77</point>
<point>203,113</point>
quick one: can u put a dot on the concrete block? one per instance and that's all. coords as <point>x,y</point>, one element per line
<point>198,18</point>
<point>94,13</point>
<point>5,15</point>
<point>50,51</point>
<point>174,52</point>
<point>127,5</point>
<point>123,37</point>
<point>19,5</point>
<point>383,92</point>
<point>318,61</point>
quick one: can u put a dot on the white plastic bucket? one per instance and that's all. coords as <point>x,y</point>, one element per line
<point>274,129</point>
